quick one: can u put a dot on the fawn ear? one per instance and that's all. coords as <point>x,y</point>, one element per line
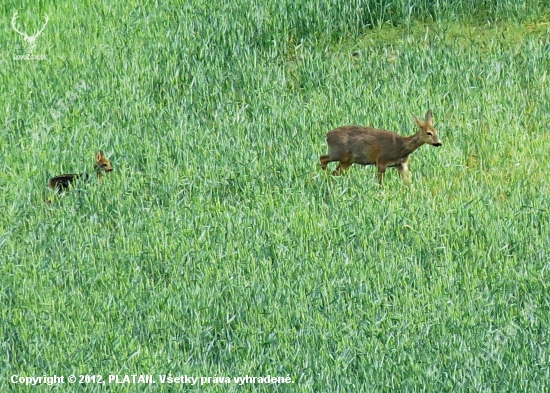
<point>99,155</point>
<point>429,117</point>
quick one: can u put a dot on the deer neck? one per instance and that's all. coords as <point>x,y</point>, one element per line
<point>411,143</point>
<point>99,172</point>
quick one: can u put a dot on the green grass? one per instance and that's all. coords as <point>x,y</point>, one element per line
<point>217,246</point>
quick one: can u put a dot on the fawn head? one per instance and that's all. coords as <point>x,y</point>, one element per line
<point>102,164</point>
<point>427,132</point>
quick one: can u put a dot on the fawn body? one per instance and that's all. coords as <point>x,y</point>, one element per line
<point>62,182</point>
<point>369,146</point>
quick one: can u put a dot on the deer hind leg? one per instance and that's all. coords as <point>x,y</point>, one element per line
<point>345,162</point>
<point>380,174</point>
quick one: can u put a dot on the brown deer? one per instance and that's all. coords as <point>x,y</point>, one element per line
<point>370,146</point>
<point>62,182</point>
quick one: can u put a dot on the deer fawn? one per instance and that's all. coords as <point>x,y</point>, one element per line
<point>370,146</point>
<point>62,182</point>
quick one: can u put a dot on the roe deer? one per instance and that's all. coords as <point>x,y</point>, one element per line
<point>62,182</point>
<point>370,146</point>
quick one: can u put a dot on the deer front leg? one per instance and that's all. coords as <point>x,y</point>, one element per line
<point>325,159</point>
<point>344,164</point>
<point>403,169</point>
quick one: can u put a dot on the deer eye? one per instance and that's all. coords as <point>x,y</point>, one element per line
<point>429,133</point>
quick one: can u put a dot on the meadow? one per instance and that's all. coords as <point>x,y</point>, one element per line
<point>218,247</point>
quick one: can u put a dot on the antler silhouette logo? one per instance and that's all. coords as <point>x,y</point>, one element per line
<point>30,40</point>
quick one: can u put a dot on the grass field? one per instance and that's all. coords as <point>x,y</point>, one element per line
<point>218,248</point>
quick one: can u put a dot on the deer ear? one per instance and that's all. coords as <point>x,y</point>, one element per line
<point>429,117</point>
<point>419,121</point>
<point>99,155</point>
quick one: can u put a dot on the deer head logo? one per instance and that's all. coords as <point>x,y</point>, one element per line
<point>30,40</point>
